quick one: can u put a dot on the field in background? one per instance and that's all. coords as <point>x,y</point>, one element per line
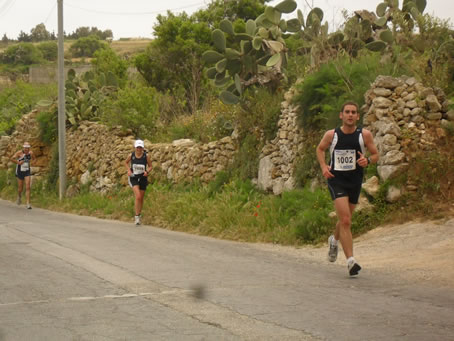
<point>125,46</point>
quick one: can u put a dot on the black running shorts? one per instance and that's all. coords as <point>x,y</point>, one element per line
<point>140,181</point>
<point>22,175</point>
<point>352,192</point>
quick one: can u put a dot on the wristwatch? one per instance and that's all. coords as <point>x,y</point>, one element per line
<point>368,161</point>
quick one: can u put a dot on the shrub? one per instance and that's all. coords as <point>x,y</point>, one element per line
<point>87,46</point>
<point>18,100</point>
<point>306,166</point>
<point>246,162</point>
<point>49,50</point>
<point>48,125</point>
<point>136,108</point>
<point>22,53</point>
<point>322,93</point>
<point>106,60</point>
<point>260,113</point>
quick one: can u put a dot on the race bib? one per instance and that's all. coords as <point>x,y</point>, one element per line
<point>138,169</point>
<point>345,160</point>
<point>25,166</point>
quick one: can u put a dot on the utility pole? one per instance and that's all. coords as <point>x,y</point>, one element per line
<point>61,105</point>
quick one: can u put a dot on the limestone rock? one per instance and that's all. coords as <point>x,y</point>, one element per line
<point>264,177</point>
<point>391,171</point>
<point>393,194</point>
<point>387,82</point>
<point>393,157</point>
<point>372,186</point>
<point>432,103</point>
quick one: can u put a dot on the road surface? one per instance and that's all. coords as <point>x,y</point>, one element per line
<point>68,277</point>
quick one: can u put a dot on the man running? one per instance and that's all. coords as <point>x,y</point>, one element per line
<point>23,159</point>
<point>136,164</point>
<point>347,146</point>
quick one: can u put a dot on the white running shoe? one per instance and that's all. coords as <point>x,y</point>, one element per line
<point>29,207</point>
<point>333,249</point>
<point>137,219</point>
<point>353,268</point>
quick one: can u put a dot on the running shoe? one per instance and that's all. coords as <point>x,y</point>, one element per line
<point>333,249</point>
<point>137,219</point>
<point>353,268</point>
<point>29,207</point>
<point>18,201</point>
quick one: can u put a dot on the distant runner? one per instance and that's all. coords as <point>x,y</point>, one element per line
<point>137,164</point>
<point>347,145</point>
<point>23,159</point>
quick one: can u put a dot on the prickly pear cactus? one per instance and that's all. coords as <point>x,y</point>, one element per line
<point>261,49</point>
<point>85,94</point>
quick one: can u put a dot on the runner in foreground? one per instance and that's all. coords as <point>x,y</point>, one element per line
<point>347,145</point>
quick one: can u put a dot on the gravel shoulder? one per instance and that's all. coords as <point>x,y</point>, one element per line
<point>415,251</point>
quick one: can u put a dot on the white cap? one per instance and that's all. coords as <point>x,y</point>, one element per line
<point>138,143</point>
<point>26,145</point>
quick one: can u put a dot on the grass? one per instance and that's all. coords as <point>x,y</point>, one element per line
<point>234,210</point>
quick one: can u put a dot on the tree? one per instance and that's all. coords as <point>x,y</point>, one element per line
<point>106,60</point>
<point>85,31</point>
<point>235,10</point>
<point>39,33</point>
<point>172,62</point>
<point>5,39</point>
<point>23,37</point>
<point>86,46</point>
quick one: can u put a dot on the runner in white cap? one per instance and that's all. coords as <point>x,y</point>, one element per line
<point>138,165</point>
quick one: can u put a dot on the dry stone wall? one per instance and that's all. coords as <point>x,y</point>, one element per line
<point>95,155</point>
<point>278,156</point>
<point>405,117</point>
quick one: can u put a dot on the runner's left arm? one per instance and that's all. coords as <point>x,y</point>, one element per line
<point>370,145</point>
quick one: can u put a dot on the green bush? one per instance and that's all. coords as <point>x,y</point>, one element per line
<point>3,179</point>
<point>53,174</point>
<point>49,50</point>
<point>48,125</point>
<point>87,46</point>
<point>22,54</point>
<point>246,162</point>
<point>106,60</point>
<point>260,113</point>
<point>307,167</point>
<point>20,99</point>
<point>136,108</point>
<point>322,93</point>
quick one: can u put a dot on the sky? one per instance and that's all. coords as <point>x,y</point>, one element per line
<point>135,18</point>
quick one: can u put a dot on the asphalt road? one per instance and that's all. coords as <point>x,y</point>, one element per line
<point>67,277</point>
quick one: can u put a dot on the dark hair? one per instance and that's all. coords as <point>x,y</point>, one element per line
<point>350,103</point>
